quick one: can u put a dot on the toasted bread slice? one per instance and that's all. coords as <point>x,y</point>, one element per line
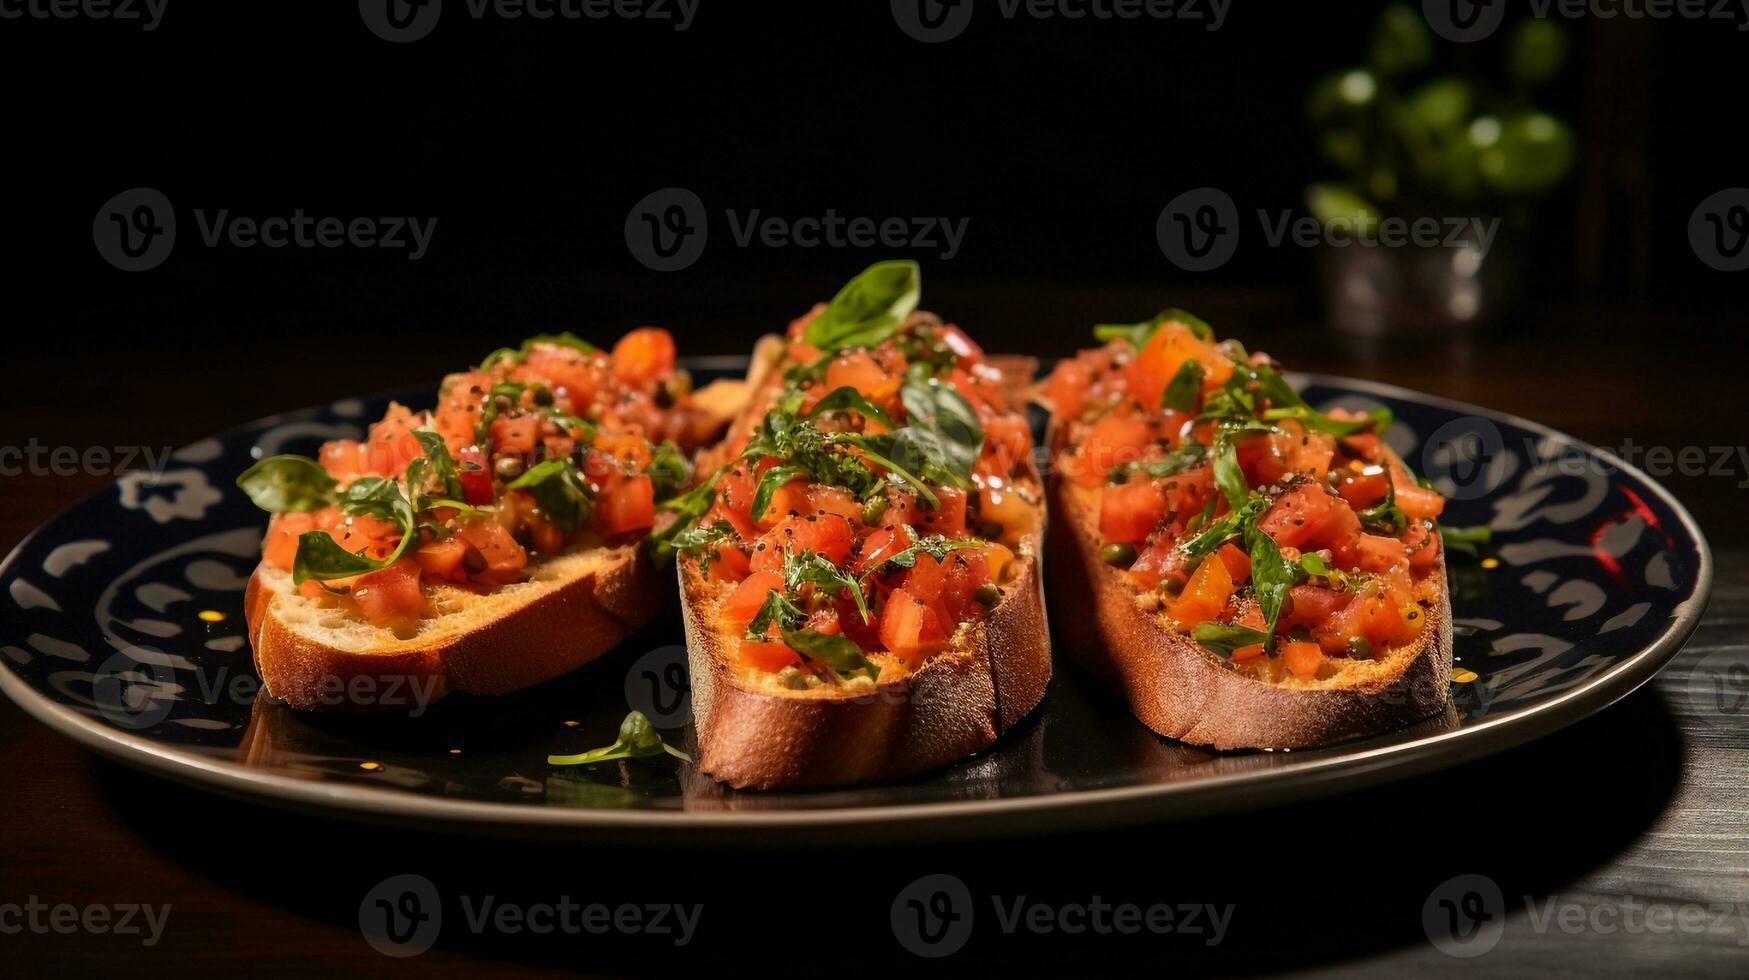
<point>571,609</point>
<point>753,732</point>
<point>1183,691</point>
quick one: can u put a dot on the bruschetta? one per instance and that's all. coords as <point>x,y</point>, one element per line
<point>1249,571</point>
<point>485,545</point>
<point>860,571</point>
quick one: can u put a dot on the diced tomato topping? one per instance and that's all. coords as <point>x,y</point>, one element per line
<point>880,545</point>
<point>516,434</point>
<point>910,628</point>
<point>1312,604</point>
<point>858,370</point>
<point>630,507</point>
<point>390,597</point>
<point>1205,595</point>
<point>504,557</point>
<point>443,558</point>
<point>643,355</point>
<point>1303,659</point>
<point>768,655</point>
<point>476,479</point>
<point>825,534</point>
<point>1238,562</point>
<point>1114,439</point>
<point>1067,388</point>
<point>823,499</point>
<point>1165,352</point>
<point>1308,518</point>
<point>1376,553</point>
<point>1419,503</point>
<point>1129,512</point>
<point>283,532</point>
<point>949,519</point>
<point>743,601</point>
<point>1364,487</point>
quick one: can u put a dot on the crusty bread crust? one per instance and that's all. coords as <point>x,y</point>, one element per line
<point>1183,691</point>
<point>573,609</point>
<point>753,733</point>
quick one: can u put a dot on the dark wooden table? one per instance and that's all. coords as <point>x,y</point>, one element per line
<point>1619,845</point>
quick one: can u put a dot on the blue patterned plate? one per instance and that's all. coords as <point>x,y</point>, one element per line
<point>124,630</point>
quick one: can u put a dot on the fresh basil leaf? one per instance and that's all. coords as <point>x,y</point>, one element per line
<point>1221,531</point>
<point>882,450</point>
<point>501,354</point>
<point>777,608</point>
<point>942,437</point>
<point>321,558</point>
<point>1466,540</point>
<point>936,546</point>
<point>848,399</point>
<point>869,309</point>
<point>1312,565</point>
<point>637,739</point>
<point>811,567</point>
<point>560,490</point>
<point>1138,334</point>
<point>442,463</point>
<point>1224,638</point>
<point>1228,474</point>
<point>668,470</point>
<point>1185,388</point>
<point>1188,455</point>
<point>769,483</point>
<point>288,484</point>
<point>1378,419</point>
<point>837,652</point>
<point>1385,516</point>
<point>1271,577</point>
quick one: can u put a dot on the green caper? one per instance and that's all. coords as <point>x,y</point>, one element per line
<point>507,467</point>
<point>543,396</point>
<point>873,509</point>
<point>1118,553</point>
<point>1359,649</point>
<point>988,594</point>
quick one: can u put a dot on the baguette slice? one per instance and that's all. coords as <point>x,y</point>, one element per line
<point>755,733</point>
<point>572,609</point>
<point>1183,691</point>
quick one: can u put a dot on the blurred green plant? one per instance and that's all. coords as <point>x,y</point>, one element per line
<point>1412,140</point>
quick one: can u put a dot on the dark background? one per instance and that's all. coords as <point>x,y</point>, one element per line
<point>529,141</point>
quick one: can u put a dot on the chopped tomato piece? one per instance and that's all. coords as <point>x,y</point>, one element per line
<point>1303,659</point>
<point>948,519</point>
<point>1205,595</point>
<point>515,434</point>
<point>1364,487</point>
<point>1247,653</point>
<point>1419,503</point>
<point>1067,388</point>
<point>504,557</point>
<point>1238,562</point>
<point>1377,553</point>
<point>644,355</point>
<point>910,629</point>
<point>630,507</point>
<point>825,534</point>
<point>470,465</point>
<point>727,564</point>
<point>768,655</point>
<point>282,538</point>
<point>1129,512</point>
<point>390,597</point>
<point>823,500</point>
<point>1165,352</point>
<point>1308,518</point>
<point>443,558</point>
<point>1113,439</point>
<point>880,545</point>
<point>1312,605</point>
<point>858,370</point>
<point>743,601</point>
